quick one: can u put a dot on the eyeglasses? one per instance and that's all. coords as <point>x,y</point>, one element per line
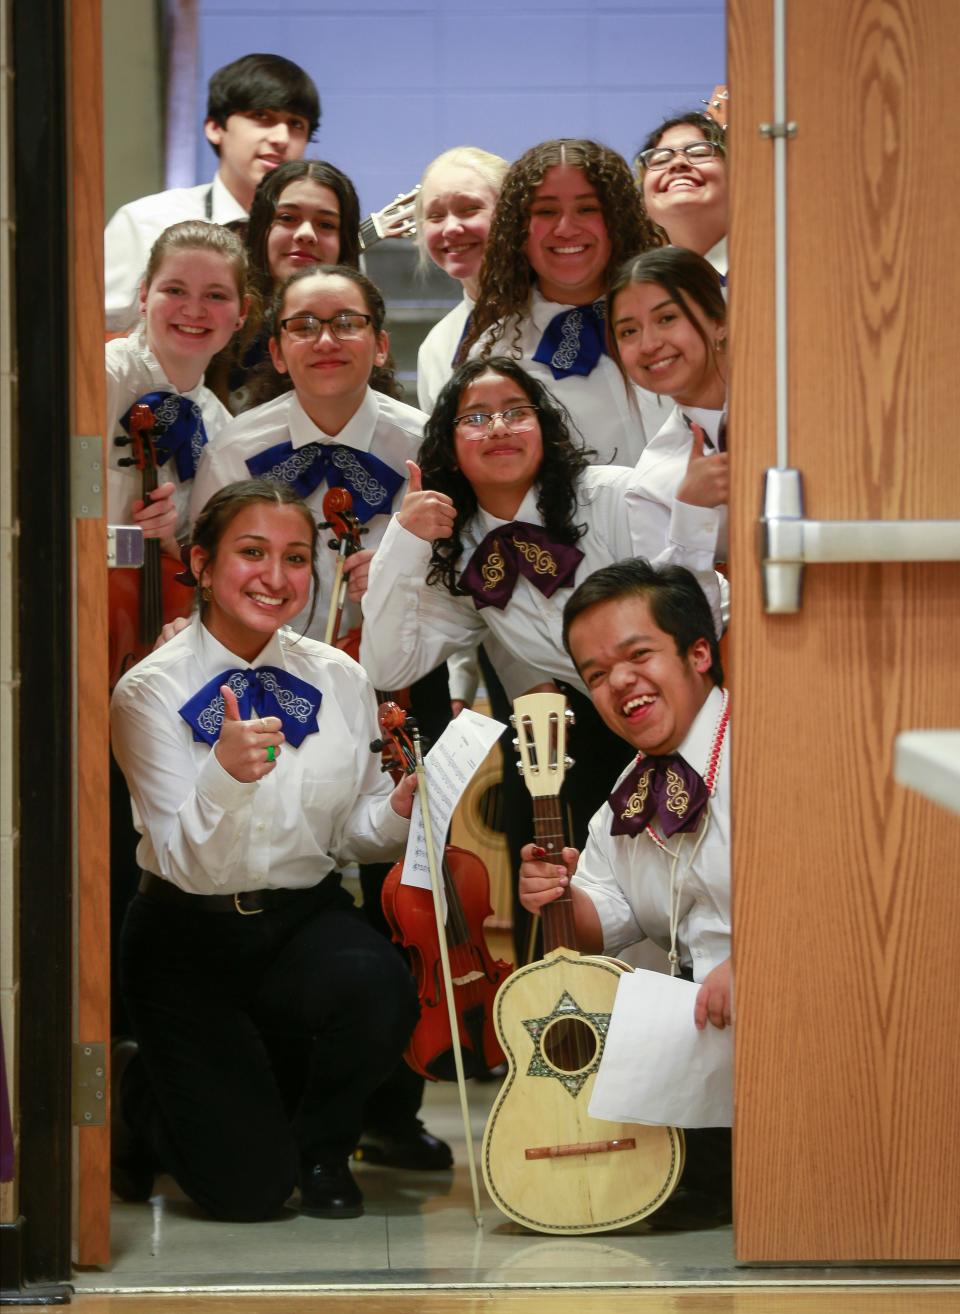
<point>658,157</point>
<point>345,326</point>
<point>476,425</point>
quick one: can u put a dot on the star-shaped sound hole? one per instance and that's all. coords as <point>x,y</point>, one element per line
<point>567,1043</point>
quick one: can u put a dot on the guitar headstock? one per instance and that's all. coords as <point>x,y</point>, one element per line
<point>396,219</point>
<point>541,721</point>
<point>718,105</point>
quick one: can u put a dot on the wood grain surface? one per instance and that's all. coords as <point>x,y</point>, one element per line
<point>846,899</point>
<point>91,775</point>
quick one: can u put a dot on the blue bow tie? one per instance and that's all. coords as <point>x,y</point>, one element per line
<point>267,691</point>
<point>573,341</point>
<point>179,431</point>
<point>371,482</point>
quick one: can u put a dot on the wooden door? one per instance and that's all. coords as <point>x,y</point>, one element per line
<point>846,886</point>
<point>90,723</point>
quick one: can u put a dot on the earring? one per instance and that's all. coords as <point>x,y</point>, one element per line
<point>720,345</point>
<point>206,592</point>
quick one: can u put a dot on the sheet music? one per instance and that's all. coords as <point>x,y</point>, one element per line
<point>450,765</point>
<point>657,1067</point>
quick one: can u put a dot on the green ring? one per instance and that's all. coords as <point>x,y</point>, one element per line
<point>271,753</point>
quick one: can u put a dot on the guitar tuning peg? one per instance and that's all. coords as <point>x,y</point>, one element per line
<point>570,717</point>
<point>513,720</point>
<point>519,768</point>
<point>568,762</point>
<point>516,744</point>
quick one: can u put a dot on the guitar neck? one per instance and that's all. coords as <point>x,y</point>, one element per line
<point>151,583</point>
<point>559,928</point>
<point>369,233</point>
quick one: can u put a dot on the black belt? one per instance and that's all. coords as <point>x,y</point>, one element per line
<point>244,902</point>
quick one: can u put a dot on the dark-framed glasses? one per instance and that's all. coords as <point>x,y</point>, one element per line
<point>694,152</point>
<point>345,325</point>
<point>477,424</point>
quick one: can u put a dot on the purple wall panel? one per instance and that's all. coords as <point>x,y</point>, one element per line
<point>404,81</point>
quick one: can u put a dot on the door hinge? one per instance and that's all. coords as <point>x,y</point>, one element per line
<point>89,1084</point>
<point>86,477</point>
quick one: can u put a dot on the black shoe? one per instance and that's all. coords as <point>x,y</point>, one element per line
<point>132,1165</point>
<point>327,1190</point>
<point>412,1148</point>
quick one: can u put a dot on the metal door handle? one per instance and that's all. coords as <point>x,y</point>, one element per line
<point>788,541</point>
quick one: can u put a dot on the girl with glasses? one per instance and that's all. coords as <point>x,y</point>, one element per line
<point>326,334</point>
<point>454,210</point>
<point>264,1007</point>
<point>504,516</point>
<point>568,215</point>
<point>667,325</point>
<point>682,171</point>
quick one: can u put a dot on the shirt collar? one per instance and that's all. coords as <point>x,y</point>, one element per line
<point>527,511</point>
<point>717,256</point>
<point>356,433</point>
<point>696,747</point>
<point>224,206</point>
<point>543,311</point>
<point>213,656</point>
<point>709,421</point>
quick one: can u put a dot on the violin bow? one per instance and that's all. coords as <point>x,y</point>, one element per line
<point>436,886</point>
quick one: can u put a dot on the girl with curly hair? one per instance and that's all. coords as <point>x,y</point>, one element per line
<point>569,214</point>
<point>503,517</point>
<point>682,171</point>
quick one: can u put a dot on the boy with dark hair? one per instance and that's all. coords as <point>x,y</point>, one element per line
<point>261,111</point>
<point>657,860</point>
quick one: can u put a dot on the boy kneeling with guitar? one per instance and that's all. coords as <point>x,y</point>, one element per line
<point>657,860</point>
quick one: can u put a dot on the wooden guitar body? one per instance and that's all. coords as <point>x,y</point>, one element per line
<point>543,1156</point>
<point>546,1163</point>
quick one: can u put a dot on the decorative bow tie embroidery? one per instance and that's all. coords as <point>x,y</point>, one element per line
<point>179,430</point>
<point>665,787</point>
<point>267,691</point>
<point>573,341</point>
<point>512,550</point>
<point>371,482</point>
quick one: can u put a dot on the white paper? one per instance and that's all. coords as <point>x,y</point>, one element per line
<point>657,1067</point>
<point>450,765</point>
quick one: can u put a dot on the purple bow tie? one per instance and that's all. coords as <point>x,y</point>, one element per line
<point>517,549</point>
<point>665,787</point>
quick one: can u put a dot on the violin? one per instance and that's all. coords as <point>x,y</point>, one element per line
<point>341,519</point>
<point>410,914</point>
<point>142,599</point>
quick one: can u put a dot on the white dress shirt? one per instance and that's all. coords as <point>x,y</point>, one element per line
<point>435,357</point>
<point>663,465</point>
<point>326,803</point>
<point>628,877</point>
<point>388,429</point>
<point>617,419</point>
<point>412,626</point>
<point>132,371</point>
<point>136,226</point>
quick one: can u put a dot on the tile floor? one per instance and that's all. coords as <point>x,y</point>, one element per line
<point>419,1230</point>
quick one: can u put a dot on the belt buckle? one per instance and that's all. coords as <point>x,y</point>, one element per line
<point>245,912</point>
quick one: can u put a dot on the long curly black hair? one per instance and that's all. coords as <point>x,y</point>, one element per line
<point>564,461</point>
<point>506,277</point>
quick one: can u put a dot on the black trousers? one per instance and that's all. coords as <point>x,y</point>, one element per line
<point>223,1006</point>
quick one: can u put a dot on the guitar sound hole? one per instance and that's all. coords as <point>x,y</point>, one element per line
<point>569,1044</point>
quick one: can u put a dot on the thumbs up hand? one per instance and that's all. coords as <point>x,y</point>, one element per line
<point>707,481</point>
<point>428,514</point>
<point>247,750</point>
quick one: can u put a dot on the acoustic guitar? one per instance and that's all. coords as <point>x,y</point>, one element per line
<point>546,1163</point>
